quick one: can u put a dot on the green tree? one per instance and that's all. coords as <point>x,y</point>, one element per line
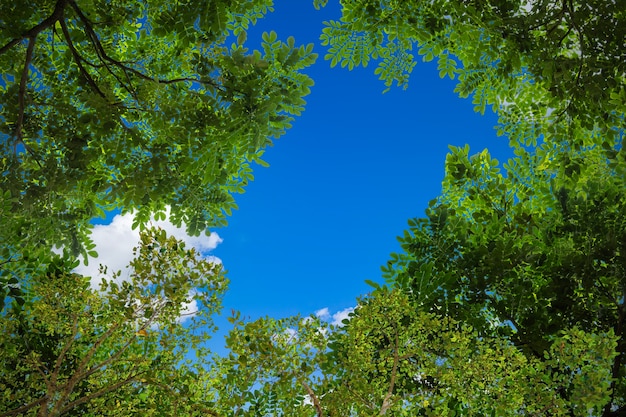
<point>133,106</point>
<point>393,358</point>
<point>509,296</point>
<point>274,367</point>
<point>530,254</point>
<point>121,350</point>
<point>524,255</point>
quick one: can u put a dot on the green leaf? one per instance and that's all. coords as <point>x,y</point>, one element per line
<point>241,39</point>
<point>372,284</point>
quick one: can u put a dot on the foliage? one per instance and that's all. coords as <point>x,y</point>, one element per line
<point>530,253</point>
<point>546,67</point>
<point>133,106</point>
<point>272,367</point>
<point>508,297</point>
<point>392,358</point>
<point>123,350</point>
<point>524,255</point>
<point>150,108</point>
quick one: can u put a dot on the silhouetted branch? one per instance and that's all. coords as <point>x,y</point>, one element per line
<point>57,14</point>
<point>104,57</point>
<point>79,60</point>
<point>21,97</point>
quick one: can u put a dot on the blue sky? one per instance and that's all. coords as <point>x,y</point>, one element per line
<point>341,185</point>
<point>343,182</point>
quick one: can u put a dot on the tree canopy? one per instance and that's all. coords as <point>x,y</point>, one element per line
<point>526,253</point>
<point>119,350</point>
<point>135,107</point>
<point>547,68</point>
<point>507,297</point>
<point>514,273</point>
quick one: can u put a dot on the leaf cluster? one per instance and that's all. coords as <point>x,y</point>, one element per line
<point>273,366</point>
<point>523,255</point>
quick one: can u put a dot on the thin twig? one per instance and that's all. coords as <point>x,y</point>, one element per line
<point>8,260</point>
<point>21,100</point>
<point>78,59</point>
<point>105,57</point>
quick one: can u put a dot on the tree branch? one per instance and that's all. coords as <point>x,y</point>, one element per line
<point>21,98</point>
<point>85,373</point>
<point>78,59</point>
<point>64,350</point>
<point>31,36</point>
<point>316,401</point>
<point>80,374</point>
<point>8,260</point>
<point>99,393</point>
<point>24,408</point>
<point>57,14</point>
<point>100,51</point>
<point>363,400</point>
<point>394,373</point>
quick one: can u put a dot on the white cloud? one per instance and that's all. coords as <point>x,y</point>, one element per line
<point>190,308</point>
<point>335,319</point>
<point>527,6</point>
<point>323,314</point>
<point>340,316</point>
<point>114,244</point>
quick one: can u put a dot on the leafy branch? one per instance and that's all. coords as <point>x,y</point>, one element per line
<point>30,36</point>
<point>57,14</point>
<point>108,62</point>
<point>59,388</point>
<point>314,398</point>
<point>79,59</point>
<point>394,373</point>
<point>104,58</point>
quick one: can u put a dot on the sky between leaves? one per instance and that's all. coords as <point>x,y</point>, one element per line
<point>341,185</point>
